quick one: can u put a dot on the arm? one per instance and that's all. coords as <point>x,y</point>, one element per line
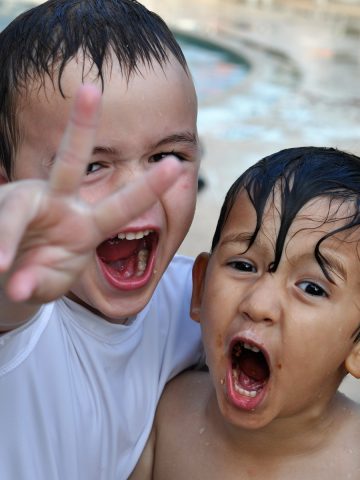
<point>145,465</point>
<point>47,233</point>
<point>181,419</point>
<point>176,414</point>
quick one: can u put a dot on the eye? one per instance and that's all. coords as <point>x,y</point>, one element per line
<point>93,167</point>
<point>242,266</point>
<point>313,289</point>
<point>160,156</point>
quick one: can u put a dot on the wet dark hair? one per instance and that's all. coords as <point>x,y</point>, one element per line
<point>40,42</point>
<point>301,174</point>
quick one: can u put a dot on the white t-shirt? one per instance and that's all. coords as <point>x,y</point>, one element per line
<point>78,394</point>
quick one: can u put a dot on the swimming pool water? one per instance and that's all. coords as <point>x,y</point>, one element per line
<point>215,70</point>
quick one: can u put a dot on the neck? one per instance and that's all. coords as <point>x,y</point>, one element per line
<point>287,436</point>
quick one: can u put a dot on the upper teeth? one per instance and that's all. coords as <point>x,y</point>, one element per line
<point>251,347</point>
<point>133,235</point>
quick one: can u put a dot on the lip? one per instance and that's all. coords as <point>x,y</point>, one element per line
<point>133,283</point>
<point>242,401</point>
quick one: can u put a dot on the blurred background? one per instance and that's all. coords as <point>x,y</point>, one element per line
<point>287,74</point>
<point>270,74</point>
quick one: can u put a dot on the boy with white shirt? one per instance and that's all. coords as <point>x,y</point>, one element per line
<point>90,336</point>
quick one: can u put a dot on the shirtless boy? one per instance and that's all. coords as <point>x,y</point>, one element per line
<point>278,302</point>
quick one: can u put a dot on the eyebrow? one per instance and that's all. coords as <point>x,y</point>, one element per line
<point>106,150</point>
<point>331,262</point>
<point>243,237</point>
<point>100,150</point>
<point>335,266</point>
<point>186,137</point>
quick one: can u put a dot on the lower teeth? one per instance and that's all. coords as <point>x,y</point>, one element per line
<point>247,393</point>
<point>242,391</point>
<point>142,258</point>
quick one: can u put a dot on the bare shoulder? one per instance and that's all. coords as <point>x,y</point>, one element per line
<point>345,434</point>
<point>351,417</point>
<point>188,380</point>
<point>180,423</point>
<point>349,409</point>
<point>186,393</point>
<point>181,398</point>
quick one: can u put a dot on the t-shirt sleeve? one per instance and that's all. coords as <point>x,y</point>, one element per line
<point>181,336</point>
<point>16,346</point>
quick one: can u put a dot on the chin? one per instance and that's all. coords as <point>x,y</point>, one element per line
<point>114,307</point>
<point>245,419</point>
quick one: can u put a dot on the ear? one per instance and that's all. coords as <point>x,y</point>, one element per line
<point>3,177</point>
<point>198,277</point>
<point>352,361</point>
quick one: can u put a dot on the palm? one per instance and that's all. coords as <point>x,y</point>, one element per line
<point>56,247</point>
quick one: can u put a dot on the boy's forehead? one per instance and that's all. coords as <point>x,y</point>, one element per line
<point>321,215</point>
<point>154,105</point>
<point>82,68</point>
<point>325,213</point>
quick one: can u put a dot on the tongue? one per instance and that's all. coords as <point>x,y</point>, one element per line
<point>116,249</point>
<point>254,366</point>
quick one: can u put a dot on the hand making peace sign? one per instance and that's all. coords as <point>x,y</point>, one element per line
<point>47,232</point>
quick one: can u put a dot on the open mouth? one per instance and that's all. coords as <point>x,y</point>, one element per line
<point>127,259</point>
<point>248,375</point>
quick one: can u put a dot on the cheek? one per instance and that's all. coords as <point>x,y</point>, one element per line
<point>94,193</point>
<point>30,163</point>
<point>180,200</point>
<point>214,327</point>
<point>189,181</point>
<point>216,358</point>
<point>219,340</point>
<point>321,357</point>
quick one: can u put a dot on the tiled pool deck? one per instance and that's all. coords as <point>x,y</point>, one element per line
<point>302,89</point>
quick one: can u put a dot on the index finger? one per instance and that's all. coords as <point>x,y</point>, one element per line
<point>77,144</point>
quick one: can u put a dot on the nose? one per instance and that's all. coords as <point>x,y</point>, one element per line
<point>262,301</point>
<point>128,173</point>
<point>125,176</point>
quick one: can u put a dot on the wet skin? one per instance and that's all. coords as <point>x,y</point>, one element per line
<point>143,121</point>
<point>302,322</point>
